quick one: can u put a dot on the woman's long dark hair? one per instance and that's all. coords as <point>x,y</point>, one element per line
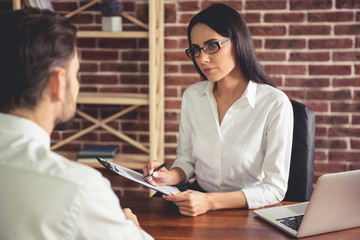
<point>227,22</point>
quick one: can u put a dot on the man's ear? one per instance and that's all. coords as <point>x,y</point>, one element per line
<point>57,84</point>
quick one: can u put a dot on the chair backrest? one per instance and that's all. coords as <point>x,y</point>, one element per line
<point>300,183</point>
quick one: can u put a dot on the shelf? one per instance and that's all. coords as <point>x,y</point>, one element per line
<point>113,98</point>
<point>132,161</point>
<point>100,34</point>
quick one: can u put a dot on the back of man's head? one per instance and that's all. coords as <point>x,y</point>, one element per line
<point>33,42</point>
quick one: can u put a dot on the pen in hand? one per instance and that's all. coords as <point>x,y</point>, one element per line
<point>155,170</point>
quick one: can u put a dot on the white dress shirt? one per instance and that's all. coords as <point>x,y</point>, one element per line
<point>249,151</point>
<point>46,196</point>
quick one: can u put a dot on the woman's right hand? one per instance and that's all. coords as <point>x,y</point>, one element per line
<point>159,178</point>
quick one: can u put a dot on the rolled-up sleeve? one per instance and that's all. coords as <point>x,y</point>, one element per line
<point>275,167</point>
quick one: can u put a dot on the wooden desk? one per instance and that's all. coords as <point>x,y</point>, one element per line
<point>162,220</point>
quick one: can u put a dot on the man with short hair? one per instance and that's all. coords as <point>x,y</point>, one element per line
<point>44,195</point>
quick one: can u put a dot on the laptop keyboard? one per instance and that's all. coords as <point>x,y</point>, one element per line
<point>292,222</point>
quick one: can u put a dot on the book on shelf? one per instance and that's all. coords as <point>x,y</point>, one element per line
<point>89,153</point>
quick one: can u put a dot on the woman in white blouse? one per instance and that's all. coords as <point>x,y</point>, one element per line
<point>236,128</point>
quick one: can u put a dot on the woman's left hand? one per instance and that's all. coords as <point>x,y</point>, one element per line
<point>191,203</point>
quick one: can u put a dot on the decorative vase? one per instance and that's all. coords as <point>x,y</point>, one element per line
<point>112,24</point>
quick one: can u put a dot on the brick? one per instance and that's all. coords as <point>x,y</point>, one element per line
<point>142,12</point>
<point>288,70</point>
<point>117,43</point>
<point>284,44</point>
<point>343,156</point>
<point>309,30</point>
<point>345,107</point>
<point>88,89</point>
<point>176,31</point>
<point>311,83</point>
<point>86,42</point>
<point>267,30</point>
<point>189,68</point>
<point>265,5</point>
<point>171,92</point>
<point>170,139</point>
<point>309,56</point>
<point>321,131</point>
<point>331,17</point>
<point>171,68</point>
<point>134,79</point>
<point>318,107</point>
<point>278,81</point>
<point>71,147</point>
<point>271,56</point>
<point>356,95</point>
<point>144,67</point>
<point>135,56</point>
<point>170,13</point>
<point>251,17</point>
<point>180,80</point>
<point>99,79</point>
<point>237,5</point>
<point>357,69</point>
<point>346,56</point>
<point>172,104</point>
<point>171,127</point>
<point>329,95</point>
<point>347,29</point>
<point>82,18</point>
<point>170,151</point>
<point>329,119</point>
<point>331,144</point>
<point>119,67</point>
<point>329,70</point>
<point>319,155</point>
<point>354,166</point>
<point>329,167</point>
<point>257,43</point>
<point>99,55</point>
<point>355,120</point>
<point>355,144</point>
<point>188,6</point>
<point>185,18</point>
<point>143,43</point>
<point>296,94</point>
<point>172,116</point>
<point>176,56</point>
<point>64,6</point>
<point>284,17</point>
<point>346,82</point>
<point>351,4</point>
<point>170,43</point>
<point>183,43</point>
<point>309,5</point>
<point>88,67</point>
<point>344,132</point>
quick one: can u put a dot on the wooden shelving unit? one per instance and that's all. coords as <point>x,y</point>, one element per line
<point>154,31</point>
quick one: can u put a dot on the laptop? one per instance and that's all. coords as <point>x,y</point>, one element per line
<point>333,206</point>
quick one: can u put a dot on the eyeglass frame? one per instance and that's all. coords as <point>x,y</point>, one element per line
<point>219,44</point>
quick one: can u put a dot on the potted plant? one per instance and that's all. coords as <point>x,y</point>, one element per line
<point>111,11</point>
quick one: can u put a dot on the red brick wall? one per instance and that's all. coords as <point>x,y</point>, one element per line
<point>311,48</point>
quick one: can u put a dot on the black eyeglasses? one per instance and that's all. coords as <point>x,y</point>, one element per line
<point>208,48</point>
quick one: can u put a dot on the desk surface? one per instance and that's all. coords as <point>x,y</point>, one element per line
<point>162,220</point>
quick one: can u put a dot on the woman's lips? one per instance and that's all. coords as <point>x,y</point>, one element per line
<point>208,70</point>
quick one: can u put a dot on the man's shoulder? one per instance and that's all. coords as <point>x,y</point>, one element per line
<point>73,171</point>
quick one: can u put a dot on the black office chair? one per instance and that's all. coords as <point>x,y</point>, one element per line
<point>300,183</point>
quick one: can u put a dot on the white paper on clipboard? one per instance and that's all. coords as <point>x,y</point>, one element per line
<point>136,177</point>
